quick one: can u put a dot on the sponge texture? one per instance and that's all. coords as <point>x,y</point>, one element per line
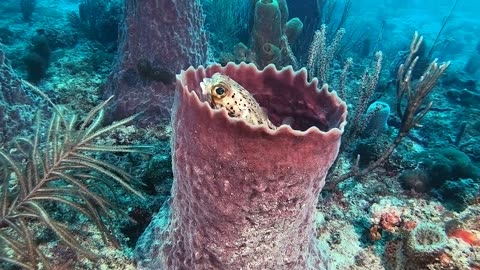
<point>165,36</point>
<point>244,196</point>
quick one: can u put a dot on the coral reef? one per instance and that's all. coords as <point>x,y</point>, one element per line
<point>437,166</point>
<point>17,107</point>
<point>6,35</point>
<point>458,194</point>
<point>59,170</point>
<point>227,206</point>
<point>66,48</point>
<point>473,64</point>
<point>424,245</point>
<point>464,96</point>
<point>419,248</point>
<point>470,237</point>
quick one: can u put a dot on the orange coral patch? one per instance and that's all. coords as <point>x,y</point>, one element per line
<point>468,236</point>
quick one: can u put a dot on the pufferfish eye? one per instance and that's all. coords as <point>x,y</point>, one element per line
<point>220,91</point>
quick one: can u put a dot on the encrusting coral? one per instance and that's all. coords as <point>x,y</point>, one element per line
<point>420,248</point>
<point>425,243</point>
<point>240,201</point>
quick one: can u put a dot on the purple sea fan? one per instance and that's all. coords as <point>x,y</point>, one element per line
<point>244,195</point>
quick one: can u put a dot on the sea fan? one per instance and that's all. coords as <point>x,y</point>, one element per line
<point>59,167</point>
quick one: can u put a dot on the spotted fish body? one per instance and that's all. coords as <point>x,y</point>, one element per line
<point>223,92</point>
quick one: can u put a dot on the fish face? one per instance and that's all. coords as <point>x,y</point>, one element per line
<point>214,90</point>
<point>221,91</point>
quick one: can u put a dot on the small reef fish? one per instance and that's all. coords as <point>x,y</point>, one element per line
<point>223,92</point>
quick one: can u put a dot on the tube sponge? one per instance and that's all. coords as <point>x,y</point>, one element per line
<point>267,28</point>
<point>270,26</point>
<point>244,195</point>
<point>293,29</point>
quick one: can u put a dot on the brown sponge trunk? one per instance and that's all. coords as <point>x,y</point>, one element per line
<point>157,40</point>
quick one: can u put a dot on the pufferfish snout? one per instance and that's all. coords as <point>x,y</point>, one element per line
<point>223,92</point>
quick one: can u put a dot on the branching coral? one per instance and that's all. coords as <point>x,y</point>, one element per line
<point>411,105</point>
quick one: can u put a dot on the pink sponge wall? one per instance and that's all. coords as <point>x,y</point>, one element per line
<point>244,196</point>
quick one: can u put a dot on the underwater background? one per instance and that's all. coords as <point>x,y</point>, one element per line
<point>86,95</point>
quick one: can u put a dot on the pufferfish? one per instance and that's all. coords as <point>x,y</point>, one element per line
<point>223,92</point>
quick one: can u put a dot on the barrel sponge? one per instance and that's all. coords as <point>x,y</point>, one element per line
<point>170,35</point>
<point>239,201</point>
<point>425,244</point>
<point>377,116</point>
